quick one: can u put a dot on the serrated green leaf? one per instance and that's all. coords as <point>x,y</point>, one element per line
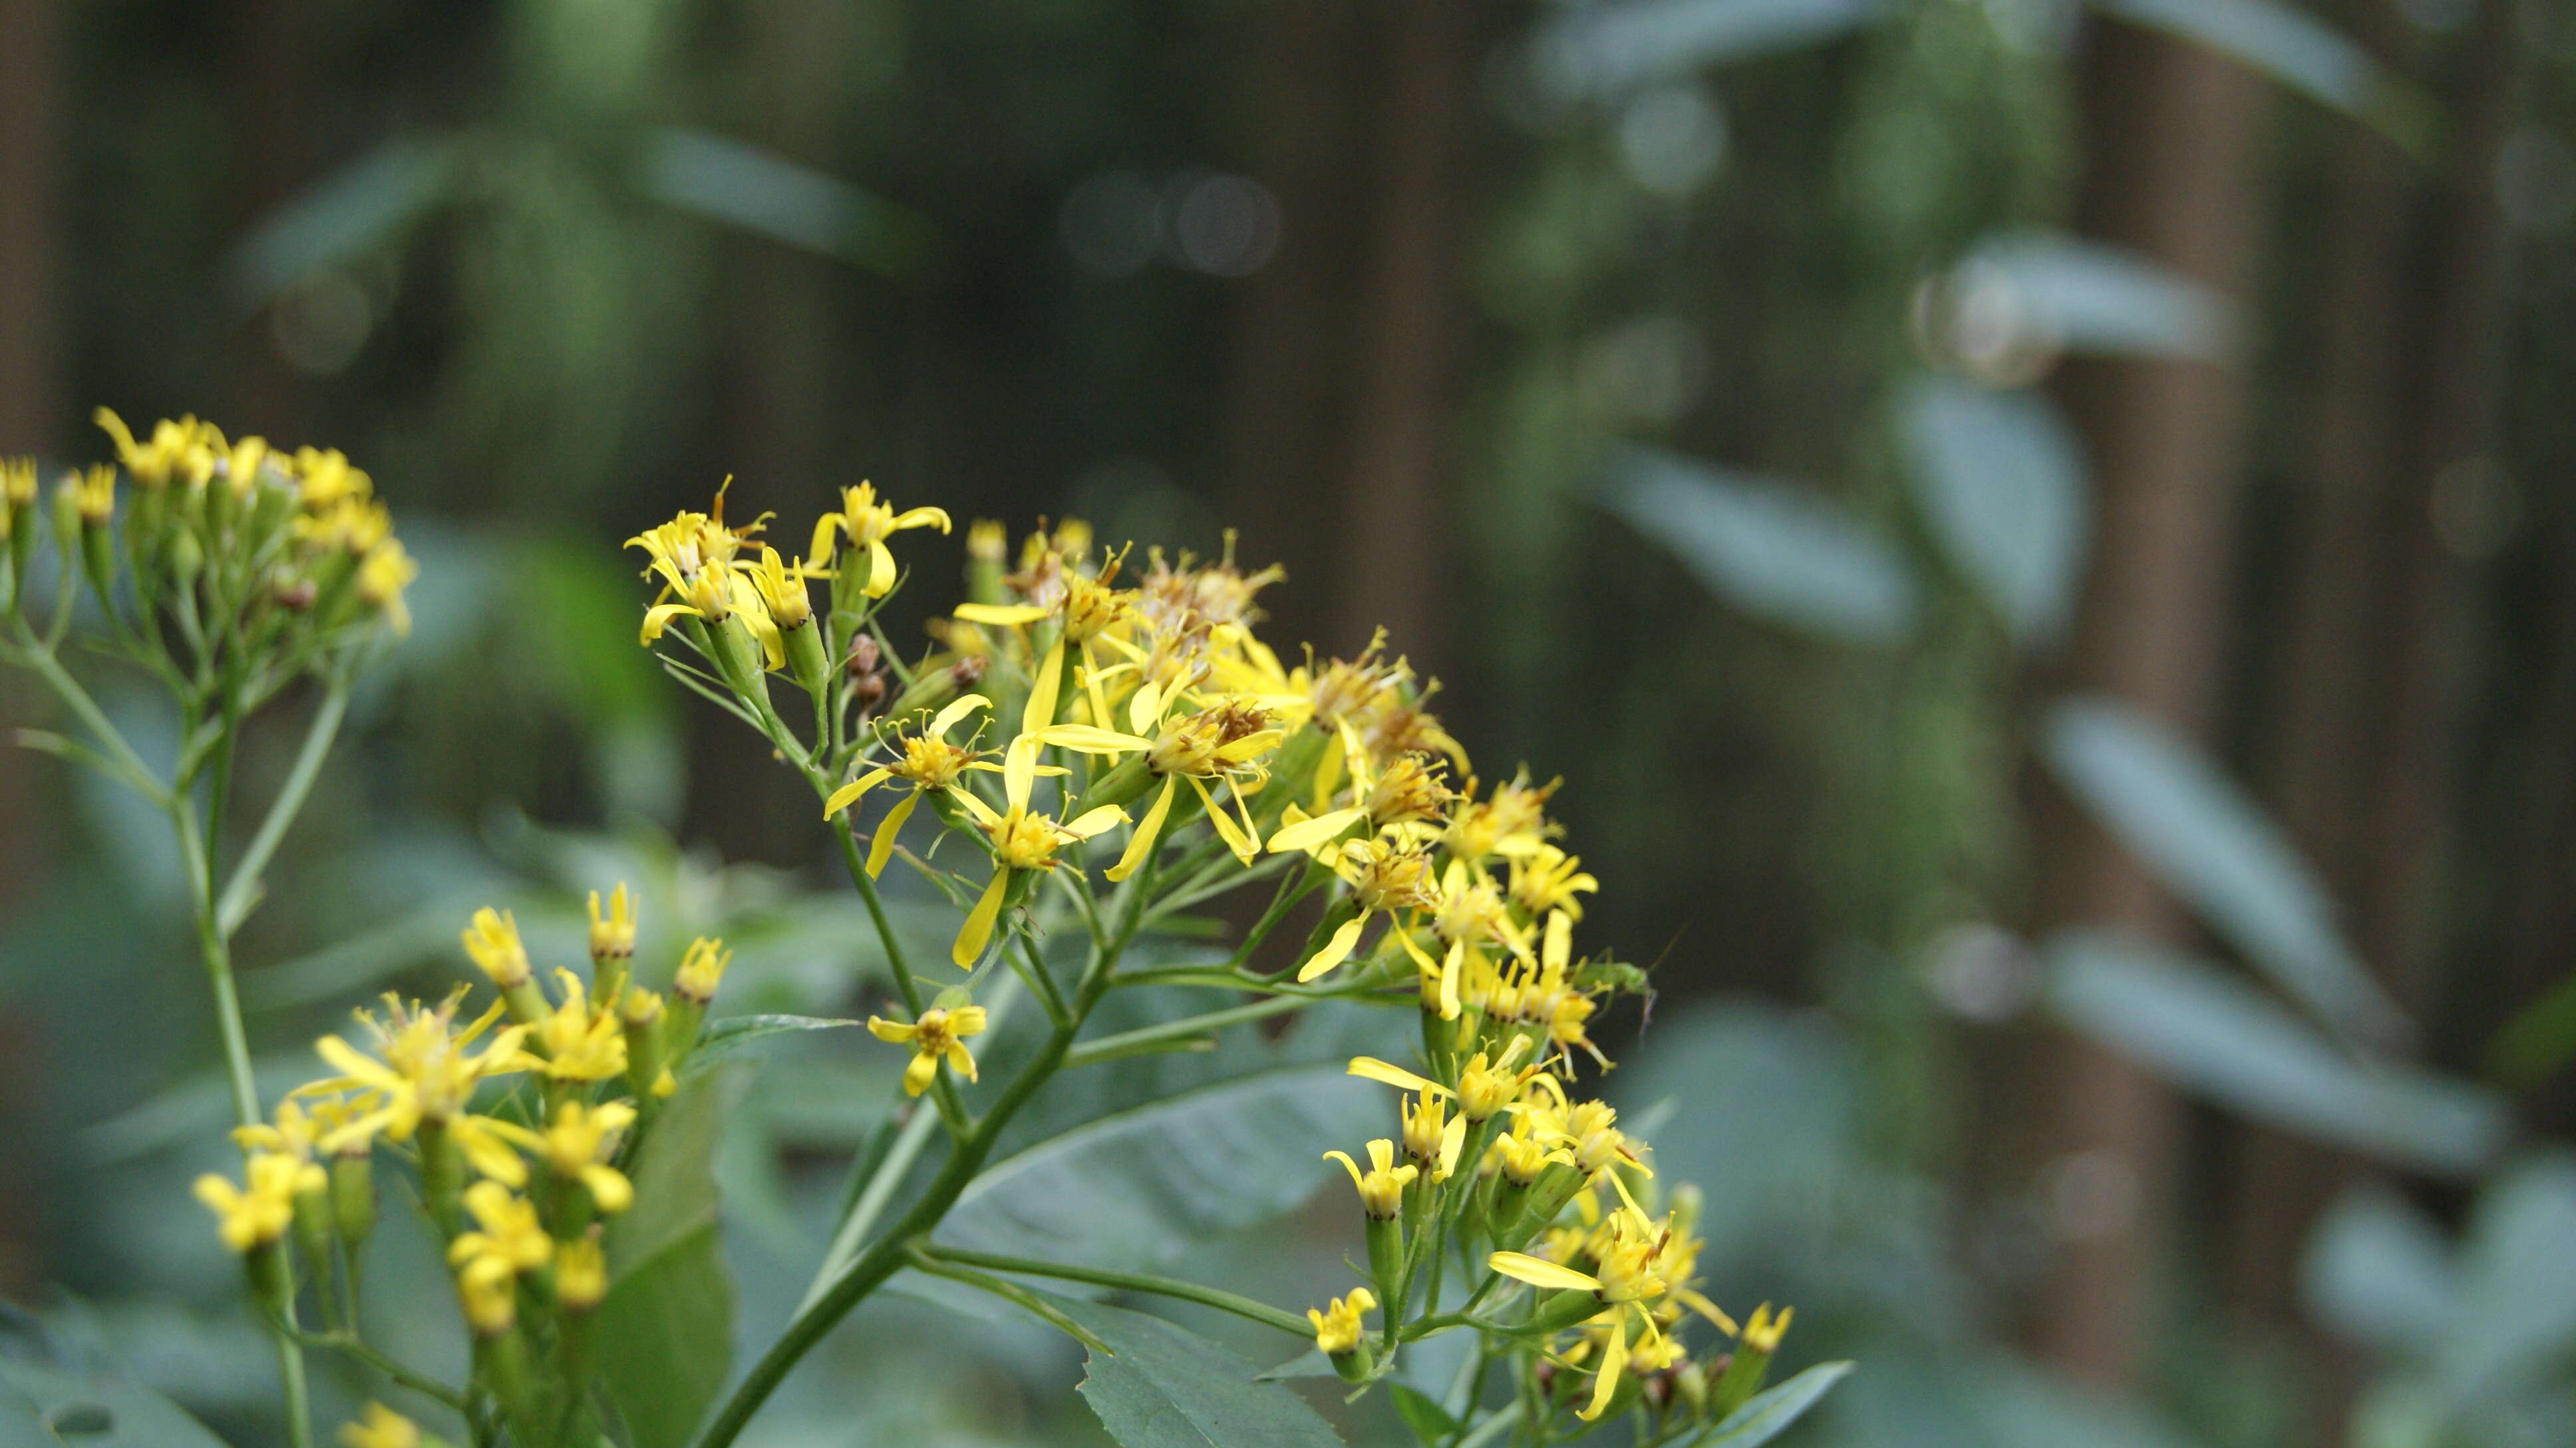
<point>1425,1417</point>
<point>1771,1411</point>
<point>666,1330</point>
<point>1169,1388</point>
<point>1132,1190</point>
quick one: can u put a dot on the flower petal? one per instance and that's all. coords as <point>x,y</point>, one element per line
<point>1140,846</point>
<point>979,923</point>
<point>1540,1272</point>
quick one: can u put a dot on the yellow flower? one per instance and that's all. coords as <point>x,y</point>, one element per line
<point>1223,743</point>
<point>426,1072</point>
<point>1488,1088</point>
<point>612,936</point>
<point>492,939</point>
<point>781,587</point>
<point>382,577</point>
<point>259,1212</point>
<point>1547,879</point>
<point>581,1275</point>
<point>1513,821</point>
<point>702,969</point>
<point>1337,1328</point>
<point>1382,1187</point>
<point>1630,1277</point>
<point>292,1135</point>
<point>487,1288</point>
<point>509,1232</point>
<point>579,1144</point>
<point>1022,840</point>
<point>382,1428</point>
<point>93,493</point>
<point>693,556</point>
<point>929,762</point>
<point>940,1034</point>
<point>1762,1331</point>
<point>581,1042</point>
<point>867,523</point>
<point>1383,879</point>
<point>323,478</point>
<point>1084,608</point>
<point>184,449</point>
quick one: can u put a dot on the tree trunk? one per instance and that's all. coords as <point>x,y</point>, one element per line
<point>2170,149</point>
<point>1395,522</point>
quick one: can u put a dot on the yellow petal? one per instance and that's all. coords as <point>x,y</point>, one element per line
<point>917,1075</point>
<point>1144,707</point>
<point>1451,968</point>
<point>849,793</point>
<point>1140,846</point>
<point>881,848</point>
<point>975,808</point>
<point>1003,614</point>
<point>1306,834</point>
<point>967,1021</point>
<point>659,616</point>
<point>1042,691</point>
<point>946,719</point>
<point>1236,838</point>
<point>1088,739</point>
<point>1096,822</point>
<point>1453,1139</point>
<point>1335,951</point>
<point>819,552</point>
<point>1560,940</point>
<point>921,518</point>
<point>979,923</point>
<point>886,1030</point>
<point>1540,1272</point>
<point>1605,1381</point>
<point>1020,770</point>
<point>880,569</point>
<point>961,1060</point>
<point>1373,1069</point>
<point>609,1188</point>
<point>1343,1157</point>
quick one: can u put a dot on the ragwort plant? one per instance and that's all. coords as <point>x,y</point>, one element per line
<point>1097,747</point>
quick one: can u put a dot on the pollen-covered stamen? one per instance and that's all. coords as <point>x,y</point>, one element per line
<point>1409,791</point>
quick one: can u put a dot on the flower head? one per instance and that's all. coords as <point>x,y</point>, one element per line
<point>380,1427</point>
<point>1381,1187</point>
<point>939,1035</point>
<point>612,935</point>
<point>492,939</point>
<point>259,1211</point>
<point>867,522</point>
<point>1337,1327</point>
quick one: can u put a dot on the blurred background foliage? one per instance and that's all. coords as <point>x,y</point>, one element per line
<point>2036,536</point>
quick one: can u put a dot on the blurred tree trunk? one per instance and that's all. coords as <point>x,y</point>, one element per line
<point>1287,439</point>
<point>269,88</point>
<point>2344,482</point>
<point>31,409</point>
<point>1395,524</point>
<point>2170,148</point>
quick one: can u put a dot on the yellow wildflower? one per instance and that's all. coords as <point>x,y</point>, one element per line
<point>581,1042</point>
<point>1022,840</point>
<point>929,762</point>
<point>867,523</point>
<point>382,1428</point>
<point>1381,1188</point>
<point>1512,821</point>
<point>507,1231</point>
<point>426,1072</point>
<point>492,939</point>
<point>1383,879</point>
<point>940,1034</point>
<point>93,493</point>
<point>581,1275</point>
<point>382,577</point>
<point>702,969</point>
<point>612,936</point>
<point>1547,879</point>
<point>1762,1331</point>
<point>1338,1328</point>
<point>258,1212</point>
<point>578,1145</point>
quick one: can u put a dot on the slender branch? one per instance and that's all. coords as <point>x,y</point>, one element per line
<point>1044,984</point>
<point>240,892</point>
<point>1013,1293</point>
<point>356,1348</point>
<point>1144,1038</point>
<point>77,699</point>
<point>1172,1287</point>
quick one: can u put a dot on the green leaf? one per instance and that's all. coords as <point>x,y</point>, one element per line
<point>2301,53</point>
<point>2517,1284</point>
<point>1133,1190</point>
<point>1170,1388</point>
<point>724,1037</point>
<point>2211,1033</point>
<point>2379,1271</point>
<point>49,1396</point>
<point>2199,833</point>
<point>1785,553</point>
<point>1771,1411</point>
<point>1605,49</point>
<point>666,1330</point>
<point>1427,1419</point>
<point>764,193</point>
<point>2084,296</point>
<point>2000,481</point>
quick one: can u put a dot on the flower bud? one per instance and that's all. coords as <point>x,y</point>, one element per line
<point>353,1196</point>
<point>642,1012</point>
<point>581,1274</point>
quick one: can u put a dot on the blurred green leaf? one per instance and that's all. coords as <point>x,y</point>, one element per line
<point>1771,1411</point>
<point>1785,553</point>
<point>2202,836</point>
<point>2539,1042</point>
<point>761,192</point>
<point>1426,1418</point>
<point>666,1330</point>
<point>2000,479</point>
<point>2378,1270</point>
<point>2213,1034</point>
<point>354,210</point>
<point>2084,296</point>
<point>1602,50</point>
<point>48,1396</point>
<point>1169,1388</point>
<point>1134,1189</point>
<point>724,1037</point>
<point>2517,1283</point>
<point>2299,52</point>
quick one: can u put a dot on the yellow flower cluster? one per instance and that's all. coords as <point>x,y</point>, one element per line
<point>515,1130</point>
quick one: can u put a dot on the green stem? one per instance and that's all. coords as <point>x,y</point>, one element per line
<point>77,699</point>
<point>1129,1043</point>
<point>1042,983</point>
<point>1245,1307</point>
<point>356,1348</point>
<point>895,964</point>
<point>239,892</point>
